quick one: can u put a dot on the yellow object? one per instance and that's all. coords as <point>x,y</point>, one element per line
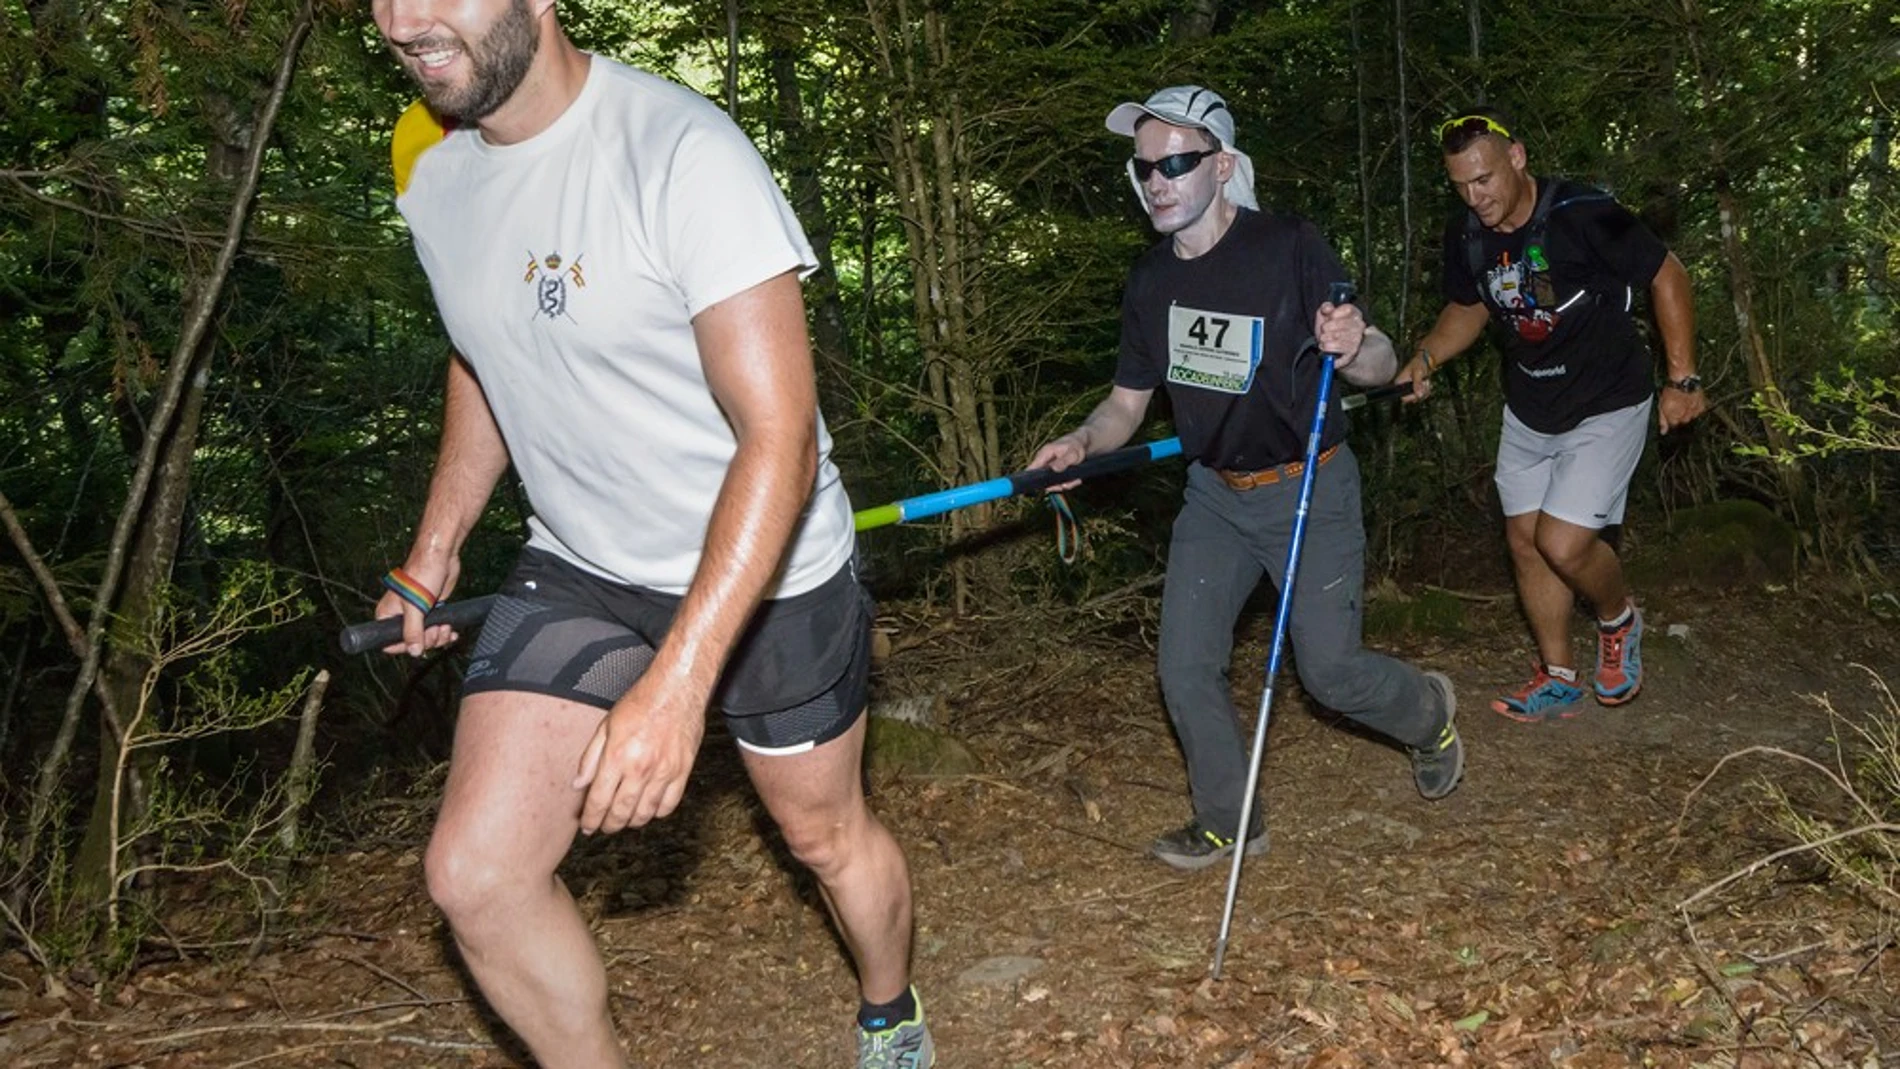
<point>1489,124</point>
<point>416,132</point>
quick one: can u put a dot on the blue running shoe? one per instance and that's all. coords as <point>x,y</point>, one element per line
<point>1551,693</point>
<point>1620,660</point>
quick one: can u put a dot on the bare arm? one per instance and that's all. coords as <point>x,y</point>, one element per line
<point>758,365</point>
<point>1362,354</point>
<point>1456,329</point>
<point>1674,301</point>
<point>469,462</point>
<point>1109,426</point>
<point>1374,363</point>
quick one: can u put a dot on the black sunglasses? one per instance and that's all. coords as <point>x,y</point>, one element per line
<point>1171,167</point>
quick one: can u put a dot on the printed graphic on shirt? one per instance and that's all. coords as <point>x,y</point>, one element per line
<point>1523,292</point>
<point>551,277</point>
<point>1213,350</point>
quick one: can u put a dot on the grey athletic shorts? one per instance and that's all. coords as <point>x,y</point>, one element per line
<point>1581,476</point>
<point>799,676</point>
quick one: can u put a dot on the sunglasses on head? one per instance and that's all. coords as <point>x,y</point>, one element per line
<point>1171,167</point>
<point>1474,125</point>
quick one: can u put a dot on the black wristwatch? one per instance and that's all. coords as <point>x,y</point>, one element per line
<point>1687,383</point>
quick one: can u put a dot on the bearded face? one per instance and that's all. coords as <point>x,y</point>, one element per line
<point>465,78</point>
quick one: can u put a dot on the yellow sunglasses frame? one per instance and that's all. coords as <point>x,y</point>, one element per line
<point>1490,124</point>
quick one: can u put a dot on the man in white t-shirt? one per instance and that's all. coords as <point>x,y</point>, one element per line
<point>620,276</point>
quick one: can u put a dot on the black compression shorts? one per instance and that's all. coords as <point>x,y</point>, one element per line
<point>799,676</point>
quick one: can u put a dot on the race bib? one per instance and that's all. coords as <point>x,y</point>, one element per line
<point>1213,350</point>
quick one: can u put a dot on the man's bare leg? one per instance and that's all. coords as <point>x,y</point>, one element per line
<point>1543,593</point>
<point>817,799</point>
<point>1555,561</point>
<point>509,815</point>
<point>1586,563</point>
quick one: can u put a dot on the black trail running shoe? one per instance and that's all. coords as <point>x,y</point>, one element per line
<point>1195,847</point>
<point>904,1045</point>
<point>1437,765</point>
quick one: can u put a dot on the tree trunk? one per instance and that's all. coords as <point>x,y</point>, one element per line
<point>1879,191</point>
<point>924,145</point>
<point>128,661</point>
<point>1405,170</point>
<point>732,59</point>
<point>1474,29</point>
<point>1364,161</point>
<point>1193,20</point>
<point>802,158</point>
<point>1741,278</point>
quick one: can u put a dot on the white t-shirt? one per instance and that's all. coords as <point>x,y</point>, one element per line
<point>568,269</point>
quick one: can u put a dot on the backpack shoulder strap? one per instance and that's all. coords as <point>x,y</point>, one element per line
<point>1533,229</point>
<point>1540,215</point>
<point>1550,202</point>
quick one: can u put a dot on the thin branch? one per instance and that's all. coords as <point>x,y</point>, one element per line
<point>56,600</point>
<point>26,936</point>
<point>1799,848</point>
<point>385,974</point>
<point>303,760</point>
<point>279,1026</point>
<point>137,225</point>
<point>49,586</point>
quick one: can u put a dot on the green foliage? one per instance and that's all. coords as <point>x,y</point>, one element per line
<point>178,822</point>
<point>1855,415</point>
<point>897,747</point>
<point>1717,544</point>
<point>1430,613</point>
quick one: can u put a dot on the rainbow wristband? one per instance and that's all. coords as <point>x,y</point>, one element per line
<point>404,586</point>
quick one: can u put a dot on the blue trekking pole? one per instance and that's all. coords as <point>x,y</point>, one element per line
<point>1341,293</point>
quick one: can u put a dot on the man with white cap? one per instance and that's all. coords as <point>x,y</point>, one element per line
<point>1229,311</point>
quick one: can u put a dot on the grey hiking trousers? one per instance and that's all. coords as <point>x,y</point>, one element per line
<point>1224,541</point>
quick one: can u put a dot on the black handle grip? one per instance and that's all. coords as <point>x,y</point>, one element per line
<point>1338,293</point>
<point>1375,394</point>
<point>1026,482</point>
<point>374,635</point>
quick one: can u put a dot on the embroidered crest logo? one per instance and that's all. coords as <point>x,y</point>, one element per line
<point>551,277</point>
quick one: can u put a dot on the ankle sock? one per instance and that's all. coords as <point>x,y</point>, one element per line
<point>1558,671</point>
<point>878,1016</point>
<point>1629,612</point>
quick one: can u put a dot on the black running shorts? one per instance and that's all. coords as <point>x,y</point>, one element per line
<point>798,677</point>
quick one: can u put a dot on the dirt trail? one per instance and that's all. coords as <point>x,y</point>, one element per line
<point>1529,919</point>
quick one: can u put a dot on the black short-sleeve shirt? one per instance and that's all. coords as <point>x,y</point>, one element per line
<point>1561,309</point>
<point>1230,334</point>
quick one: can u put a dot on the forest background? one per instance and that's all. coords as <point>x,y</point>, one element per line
<point>220,368</point>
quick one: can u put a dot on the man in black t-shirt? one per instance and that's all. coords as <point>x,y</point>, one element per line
<point>1229,313</point>
<point>1554,266</point>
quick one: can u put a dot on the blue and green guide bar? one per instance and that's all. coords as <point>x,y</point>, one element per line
<point>1023,482</point>
<point>376,634</point>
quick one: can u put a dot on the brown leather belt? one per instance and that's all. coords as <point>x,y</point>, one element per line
<point>1249,480</point>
